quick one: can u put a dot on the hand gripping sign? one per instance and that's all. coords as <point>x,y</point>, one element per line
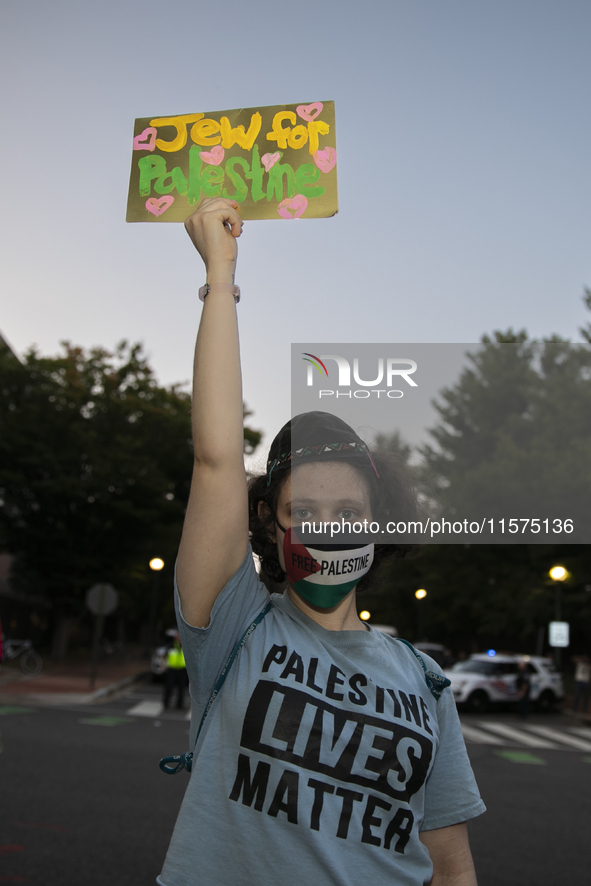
<point>276,162</point>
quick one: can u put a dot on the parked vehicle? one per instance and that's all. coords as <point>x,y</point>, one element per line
<point>158,662</point>
<point>487,679</point>
<point>30,661</point>
<point>436,651</point>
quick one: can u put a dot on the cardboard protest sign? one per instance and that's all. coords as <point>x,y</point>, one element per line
<point>277,162</point>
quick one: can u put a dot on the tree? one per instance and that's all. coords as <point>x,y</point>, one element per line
<point>586,330</point>
<point>515,427</point>
<point>514,438</point>
<point>95,468</point>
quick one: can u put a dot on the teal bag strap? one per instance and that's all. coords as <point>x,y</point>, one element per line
<point>172,765</point>
<point>435,682</point>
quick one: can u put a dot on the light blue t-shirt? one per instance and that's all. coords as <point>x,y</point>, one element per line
<point>320,760</point>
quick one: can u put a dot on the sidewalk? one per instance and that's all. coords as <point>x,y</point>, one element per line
<point>69,683</point>
<point>578,715</point>
<point>567,708</point>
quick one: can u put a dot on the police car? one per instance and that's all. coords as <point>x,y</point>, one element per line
<point>489,678</point>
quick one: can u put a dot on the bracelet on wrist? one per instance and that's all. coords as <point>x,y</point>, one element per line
<point>220,287</point>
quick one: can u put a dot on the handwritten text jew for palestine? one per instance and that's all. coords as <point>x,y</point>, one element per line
<point>274,161</point>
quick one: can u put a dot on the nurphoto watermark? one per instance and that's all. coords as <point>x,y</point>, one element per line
<point>486,443</point>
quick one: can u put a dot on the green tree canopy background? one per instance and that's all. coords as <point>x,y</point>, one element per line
<point>514,438</point>
<point>516,426</point>
<point>95,467</point>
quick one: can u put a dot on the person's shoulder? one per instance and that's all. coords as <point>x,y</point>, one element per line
<point>421,658</point>
<point>246,574</point>
<point>243,591</point>
<point>245,583</point>
<point>426,672</point>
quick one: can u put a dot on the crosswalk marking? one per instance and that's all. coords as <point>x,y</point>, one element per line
<point>530,735</point>
<point>146,709</point>
<point>518,735</point>
<point>548,732</point>
<point>487,732</point>
<point>583,731</point>
<point>479,736</point>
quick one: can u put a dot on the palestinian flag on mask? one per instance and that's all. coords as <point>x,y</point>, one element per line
<point>326,565</point>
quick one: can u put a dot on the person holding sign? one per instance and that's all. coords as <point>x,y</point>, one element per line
<point>327,752</point>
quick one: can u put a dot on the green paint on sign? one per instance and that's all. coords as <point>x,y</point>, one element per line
<point>236,154</point>
<point>106,721</point>
<point>521,757</point>
<point>9,709</point>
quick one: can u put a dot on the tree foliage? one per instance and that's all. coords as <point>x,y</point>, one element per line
<point>514,438</point>
<point>514,432</point>
<point>95,467</point>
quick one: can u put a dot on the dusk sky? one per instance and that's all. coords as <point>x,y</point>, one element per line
<point>463,139</point>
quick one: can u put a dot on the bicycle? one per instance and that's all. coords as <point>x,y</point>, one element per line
<point>30,662</point>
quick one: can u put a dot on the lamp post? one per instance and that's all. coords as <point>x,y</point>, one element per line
<point>156,565</point>
<point>558,574</point>
<point>420,595</point>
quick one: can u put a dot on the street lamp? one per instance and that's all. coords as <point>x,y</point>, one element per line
<point>156,565</point>
<point>558,574</point>
<point>420,595</point>
<point>365,615</point>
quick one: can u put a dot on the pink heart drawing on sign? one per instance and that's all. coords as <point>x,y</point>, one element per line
<point>213,157</point>
<point>269,160</point>
<point>146,140</point>
<point>325,159</point>
<point>298,204</point>
<point>306,112</point>
<point>158,205</point>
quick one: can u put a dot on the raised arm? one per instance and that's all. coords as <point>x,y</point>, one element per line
<point>215,533</point>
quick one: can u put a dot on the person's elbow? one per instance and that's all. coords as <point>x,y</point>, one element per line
<point>449,849</point>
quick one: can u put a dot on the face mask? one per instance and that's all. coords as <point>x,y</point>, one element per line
<point>324,574</point>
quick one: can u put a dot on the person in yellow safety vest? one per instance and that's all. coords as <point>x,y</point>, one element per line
<point>176,673</point>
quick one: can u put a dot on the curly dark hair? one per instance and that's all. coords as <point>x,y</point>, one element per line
<point>392,496</point>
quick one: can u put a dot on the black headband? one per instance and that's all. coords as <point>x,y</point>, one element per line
<point>324,450</point>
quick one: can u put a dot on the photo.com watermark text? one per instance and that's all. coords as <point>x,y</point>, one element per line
<point>432,528</point>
